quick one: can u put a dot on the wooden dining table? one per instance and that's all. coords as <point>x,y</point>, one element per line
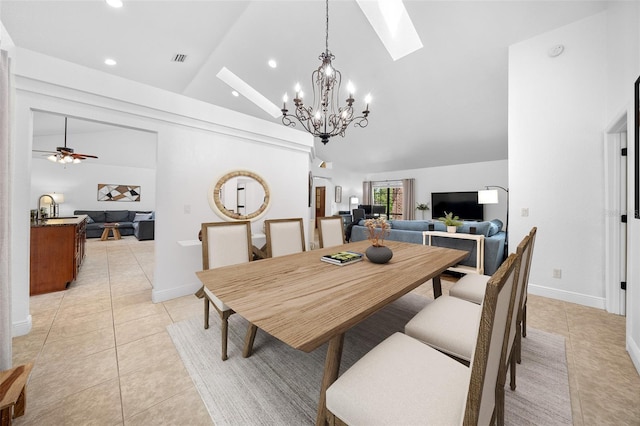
<point>305,302</point>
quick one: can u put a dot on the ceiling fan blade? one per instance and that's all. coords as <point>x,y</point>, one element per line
<point>46,152</point>
<point>83,156</point>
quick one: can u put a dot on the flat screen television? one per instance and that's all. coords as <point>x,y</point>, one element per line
<point>462,204</point>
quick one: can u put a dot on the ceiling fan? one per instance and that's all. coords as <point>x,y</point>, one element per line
<point>64,154</point>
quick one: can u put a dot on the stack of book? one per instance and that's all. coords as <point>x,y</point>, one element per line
<point>342,258</point>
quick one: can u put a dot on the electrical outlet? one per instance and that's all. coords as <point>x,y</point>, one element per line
<point>524,212</point>
<point>557,273</point>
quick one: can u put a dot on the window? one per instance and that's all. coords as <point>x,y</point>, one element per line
<point>389,195</point>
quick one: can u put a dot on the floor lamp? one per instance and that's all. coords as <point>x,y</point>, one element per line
<point>353,201</point>
<point>490,196</point>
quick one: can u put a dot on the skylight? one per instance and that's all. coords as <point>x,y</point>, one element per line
<point>114,3</point>
<point>248,92</point>
<point>392,23</point>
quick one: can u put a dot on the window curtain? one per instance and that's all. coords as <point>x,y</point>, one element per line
<point>367,189</point>
<point>5,202</point>
<point>408,199</point>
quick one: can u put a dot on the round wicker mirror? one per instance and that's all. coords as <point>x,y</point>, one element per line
<point>239,195</point>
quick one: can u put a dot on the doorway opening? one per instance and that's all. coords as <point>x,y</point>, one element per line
<point>321,192</point>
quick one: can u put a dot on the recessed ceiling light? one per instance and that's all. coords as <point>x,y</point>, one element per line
<point>110,62</point>
<point>236,94</point>
<point>114,3</point>
<point>272,63</point>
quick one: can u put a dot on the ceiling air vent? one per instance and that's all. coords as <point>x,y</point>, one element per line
<point>179,57</point>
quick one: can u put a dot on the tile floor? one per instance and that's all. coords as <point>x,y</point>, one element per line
<point>103,356</point>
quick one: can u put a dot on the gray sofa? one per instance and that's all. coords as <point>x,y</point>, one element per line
<point>411,231</point>
<point>137,223</point>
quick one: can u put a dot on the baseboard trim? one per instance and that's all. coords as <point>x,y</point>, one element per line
<point>22,328</point>
<point>158,296</point>
<point>634,352</point>
<point>568,296</point>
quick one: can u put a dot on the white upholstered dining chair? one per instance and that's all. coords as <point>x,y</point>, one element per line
<point>330,231</point>
<point>223,244</point>
<point>449,324</point>
<point>403,381</point>
<point>471,287</point>
<point>284,236</point>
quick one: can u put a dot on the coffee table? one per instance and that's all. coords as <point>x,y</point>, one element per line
<point>111,228</point>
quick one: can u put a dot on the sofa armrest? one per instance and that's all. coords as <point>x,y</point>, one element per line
<point>144,229</point>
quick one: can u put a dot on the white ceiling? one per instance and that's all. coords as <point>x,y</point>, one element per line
<point>113,145</point>
<point>444,104</point>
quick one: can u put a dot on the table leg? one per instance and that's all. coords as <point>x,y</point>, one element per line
<point>437,287</point>
<point>116,234</point>
<point>105,234</point>
<point>248,340</point>
<point>331,370</point>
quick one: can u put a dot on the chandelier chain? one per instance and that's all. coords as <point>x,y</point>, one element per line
<point>326,39</point>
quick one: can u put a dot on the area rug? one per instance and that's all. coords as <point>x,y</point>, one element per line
<point>279,385</point>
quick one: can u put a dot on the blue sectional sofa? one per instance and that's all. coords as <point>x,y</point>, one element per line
<point>410,231</point>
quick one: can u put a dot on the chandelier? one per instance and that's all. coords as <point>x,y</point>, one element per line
<point>324,118</point>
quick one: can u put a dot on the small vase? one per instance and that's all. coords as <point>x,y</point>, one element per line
<point>380,254</point>
<point>451,229</point>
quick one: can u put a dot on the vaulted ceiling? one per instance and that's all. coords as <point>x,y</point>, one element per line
<point>443,104</point>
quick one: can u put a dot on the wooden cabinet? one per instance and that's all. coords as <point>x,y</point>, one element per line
<point>57,252</point>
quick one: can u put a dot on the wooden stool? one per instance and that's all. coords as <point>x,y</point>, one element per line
<point>13,392</point>
<point>113,227</point>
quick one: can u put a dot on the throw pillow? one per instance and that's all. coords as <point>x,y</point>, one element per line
<point>142,216</point>
<point>482,228</point>
<point>90,220</point>
<point>495,226</point>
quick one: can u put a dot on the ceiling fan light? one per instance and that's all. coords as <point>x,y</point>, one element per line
<point>68,159</point>
<point>53,158</point>
<point>76,161</point>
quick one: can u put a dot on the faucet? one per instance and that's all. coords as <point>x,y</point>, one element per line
<point>53,203</point>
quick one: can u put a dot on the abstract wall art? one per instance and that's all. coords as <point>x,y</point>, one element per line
<point>110,192</point>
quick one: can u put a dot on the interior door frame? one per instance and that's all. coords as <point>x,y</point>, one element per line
<point>615,296</point>
<point>320,207</point>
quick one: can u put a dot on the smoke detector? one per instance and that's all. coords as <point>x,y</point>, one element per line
<point>555,51</point>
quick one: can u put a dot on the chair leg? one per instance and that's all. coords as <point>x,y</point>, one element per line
<point>512,366</point>
<point>499,409</point>
<point>248,341</point>
<point>21,404</point>
<point>518,345</point>
<point>206,312</point>
<point>224,332</point>
<point>524,320</point>
<point>5,416</point>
